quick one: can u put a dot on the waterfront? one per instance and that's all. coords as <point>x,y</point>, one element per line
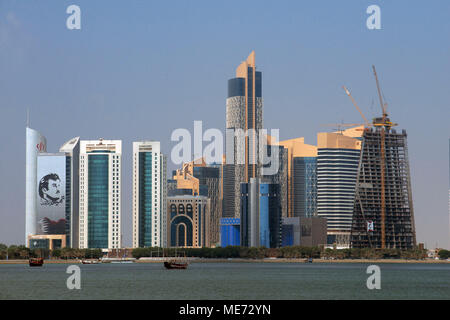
<point>227,281</point>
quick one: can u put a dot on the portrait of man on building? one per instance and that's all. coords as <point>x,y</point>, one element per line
<point>50,192</point>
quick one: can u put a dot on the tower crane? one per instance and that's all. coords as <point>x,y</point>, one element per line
<point>384,124</point>
<point>366,123</point>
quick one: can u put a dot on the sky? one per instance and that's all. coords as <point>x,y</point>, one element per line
<point>141,69</point>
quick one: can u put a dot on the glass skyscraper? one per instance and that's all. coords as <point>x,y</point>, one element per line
<point>149,195</point>
<point>100,194</point>
<point>261,224</point>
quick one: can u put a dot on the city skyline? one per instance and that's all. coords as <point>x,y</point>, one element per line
<point>412,103</point>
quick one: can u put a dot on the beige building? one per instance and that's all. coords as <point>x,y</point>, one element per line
<point>47,241</point>
<point>188,220</point>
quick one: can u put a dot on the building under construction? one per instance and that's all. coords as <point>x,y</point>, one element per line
<point>383,215</point>
<point>383,218</point>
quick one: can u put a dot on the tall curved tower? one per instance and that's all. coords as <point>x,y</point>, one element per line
<point>35,143</point>
<point>243,121</point>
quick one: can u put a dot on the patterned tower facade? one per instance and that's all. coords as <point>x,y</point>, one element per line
<point>244,120</point>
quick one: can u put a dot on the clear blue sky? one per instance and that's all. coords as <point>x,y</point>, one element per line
<point>140,69</point>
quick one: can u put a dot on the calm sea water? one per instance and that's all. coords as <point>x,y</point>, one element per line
<point>226,281</point>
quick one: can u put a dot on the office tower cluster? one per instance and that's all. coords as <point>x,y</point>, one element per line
<point>350,189</point>
<point>74,197</point>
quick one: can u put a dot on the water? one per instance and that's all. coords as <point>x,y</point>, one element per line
<point>226,281</point>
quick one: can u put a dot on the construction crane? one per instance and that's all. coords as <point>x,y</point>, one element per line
<point>339,126</point>
<point>366,123</point>
<point>384,121</point>
<point>384,124</point>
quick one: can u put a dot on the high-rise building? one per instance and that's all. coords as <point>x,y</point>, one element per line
<point>302,178</point>
<point>244,119</point>
<point>198,178</point>
<point>100,194</point>
<point>35,143</point>
<point>188,221</point>
<point>337,167</point>
<point>149,195</point>
<point>280,178</point>
<point>72,151</point>
<point>51,194</point>
<point>261,224</point>
<point>383,211</point>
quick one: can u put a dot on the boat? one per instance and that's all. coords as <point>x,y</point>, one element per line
<point>172,264</point>
<point>36,262</point>
<point>175,263</point>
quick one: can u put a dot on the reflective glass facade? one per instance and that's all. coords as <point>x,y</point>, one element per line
<point>145,199</point>
<point>230,232</point>
<point>98,201</point>
<point>305,186</point>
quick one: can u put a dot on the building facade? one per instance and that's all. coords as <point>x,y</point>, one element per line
<point>337,167</point>
<point>188,221</point>
<point>302,177</point>
<point>198,178</point>
<point>71,149</point>
<point>149,195</point>
<point>35,144</point>
<point>51,194</point>
<point>261,224</point>
<point>244,119</point>
<point>304,185</point>
<point>230,233</point>
<point>100,194</point>
<point>384,162</point>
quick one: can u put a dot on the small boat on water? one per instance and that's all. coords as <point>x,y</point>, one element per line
<point>176,263</point>
<point>36,262</point>
<point>172,264</point>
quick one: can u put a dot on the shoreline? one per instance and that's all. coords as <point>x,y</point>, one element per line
<point>245,260</point>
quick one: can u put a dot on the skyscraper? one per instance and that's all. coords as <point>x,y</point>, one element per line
<point>383,211</point>
<point>302,177</point>
<point>261,223</point>
<point>149,195</point>
<point>198,178</point>
<point>337,168</point>
<point>100,194</point>
<point>72,151</point>
<point>35,143</point>
<point>244,119</point>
